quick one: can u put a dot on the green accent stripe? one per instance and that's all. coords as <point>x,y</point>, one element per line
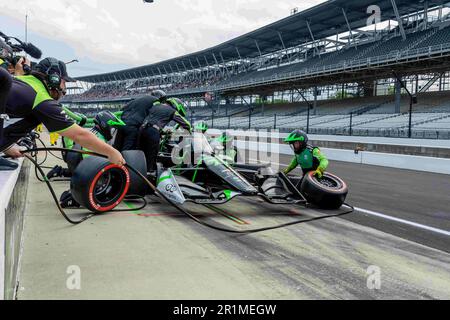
<point>71,114</point>
<point>184,119</point>
<point>164,178</point>
<point>196,170</point>
<point>118,114</point>
<point>118,123</point>
<point>38,87</point>
<point>227,194</point>
<point>133,207</point>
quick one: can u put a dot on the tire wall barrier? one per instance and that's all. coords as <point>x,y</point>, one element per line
<point>12,223</point>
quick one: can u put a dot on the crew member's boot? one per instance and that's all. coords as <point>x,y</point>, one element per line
<point>67,201</point>
<point>58,172</point>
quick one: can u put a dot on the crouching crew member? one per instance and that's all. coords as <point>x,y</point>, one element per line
<point>309,158</point>
<point>228,151</point>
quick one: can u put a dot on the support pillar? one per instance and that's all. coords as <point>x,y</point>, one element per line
<point>315,101</point>
<point>398,96</point>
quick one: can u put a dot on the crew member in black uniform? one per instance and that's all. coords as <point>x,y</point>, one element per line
<point>5,86</point>
<point>159,116</point>
<point>33,98</point>
<point>134,114</point>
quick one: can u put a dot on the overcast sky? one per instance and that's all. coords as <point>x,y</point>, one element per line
<point>107,35</point>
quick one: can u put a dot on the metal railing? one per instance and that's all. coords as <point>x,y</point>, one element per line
<point>394,56</point>
<point>354,126</point>
<point>342,66</point>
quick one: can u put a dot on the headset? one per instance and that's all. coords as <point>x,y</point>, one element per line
<point>54,78</point>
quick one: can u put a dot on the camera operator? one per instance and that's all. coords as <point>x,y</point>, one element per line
<point>16,65</point>
<point>22,67</point>
<point>33,98</point>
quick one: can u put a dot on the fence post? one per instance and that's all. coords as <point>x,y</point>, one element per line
<point>307,120</point>
<point>275,121</point>
<point>351,123</point>
<point>250,119</point>
<point>410,118</point>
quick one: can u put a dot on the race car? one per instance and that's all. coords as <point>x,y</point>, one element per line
<point>206,178</point>
<point>209,178</point>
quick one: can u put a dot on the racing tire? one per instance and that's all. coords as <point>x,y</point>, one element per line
<point>99,185</point>
<point>137,160</point>
<point>73,159</point>
<point>329,192</point>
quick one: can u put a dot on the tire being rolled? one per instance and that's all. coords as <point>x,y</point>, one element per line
<point>136,159</point>
<point>329,192</point>
<point>99,185</point>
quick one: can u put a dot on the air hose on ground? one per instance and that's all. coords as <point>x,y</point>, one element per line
<point>162,196</point>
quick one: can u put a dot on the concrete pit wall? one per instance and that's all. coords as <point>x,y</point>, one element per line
<point>14,224</point>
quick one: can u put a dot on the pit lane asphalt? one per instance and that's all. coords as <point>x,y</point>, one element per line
<point>158,253</point>
<point>418,197</point>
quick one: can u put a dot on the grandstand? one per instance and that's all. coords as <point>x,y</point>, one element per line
<point>326,55</point>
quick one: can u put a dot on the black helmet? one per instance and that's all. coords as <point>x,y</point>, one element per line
<point>178,105</point>
<point>160,95</point>
<point>297,136</point>
<point>105,121</point>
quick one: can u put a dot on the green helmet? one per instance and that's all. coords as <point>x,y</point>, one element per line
<point>224,138</point>
<point>202,126</point>
<point>297,136</point>
<point>178,105</point>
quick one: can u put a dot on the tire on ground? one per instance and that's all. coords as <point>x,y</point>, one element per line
<point>73,159</point>
<point>329,194</point>
<point>137,160</point>
<point>99,185</point>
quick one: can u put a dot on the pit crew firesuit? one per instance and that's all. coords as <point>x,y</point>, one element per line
<point>134,114</point>
<point>309,158</point>
<point>159,116</point>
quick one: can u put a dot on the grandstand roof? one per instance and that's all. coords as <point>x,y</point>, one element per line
<point>325,20</point>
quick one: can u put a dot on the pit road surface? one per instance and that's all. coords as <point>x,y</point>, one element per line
<point>157,253</point>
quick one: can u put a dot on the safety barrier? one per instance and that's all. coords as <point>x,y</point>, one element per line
<point>13,191</point>
<point>269,143</point>
<point>400,161</point>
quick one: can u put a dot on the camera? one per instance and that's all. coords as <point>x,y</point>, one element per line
<point>10,47</point>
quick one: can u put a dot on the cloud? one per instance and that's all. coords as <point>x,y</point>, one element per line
<point>134,33</point>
